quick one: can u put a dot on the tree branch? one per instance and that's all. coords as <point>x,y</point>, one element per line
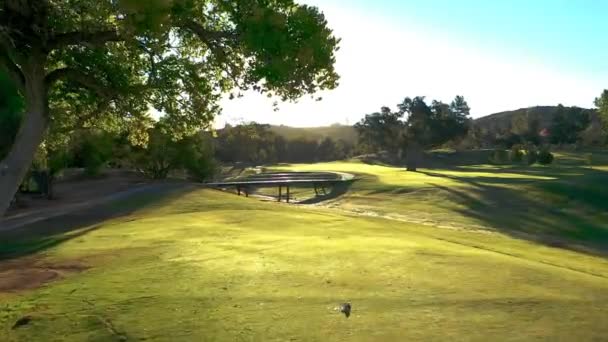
<point>79,77</point>
<point>206,35</point>
<point>82,38</point>
<point>211,38</point>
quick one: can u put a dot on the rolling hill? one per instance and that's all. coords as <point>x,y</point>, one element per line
<point>504,121</point>
<point>335,131</point>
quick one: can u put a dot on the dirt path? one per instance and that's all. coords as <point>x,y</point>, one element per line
<point>25,218</point>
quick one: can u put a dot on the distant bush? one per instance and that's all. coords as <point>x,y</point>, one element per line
<point>531,156</point>
<point>159,157</point>
<point>545,157</point>
<point>92,151</point>
<point>499,156</point>
<point>516,155</point>
<point>162,155</point>
<point>196,157</point>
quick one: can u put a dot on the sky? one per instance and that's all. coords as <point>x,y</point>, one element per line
<point>500,55</point>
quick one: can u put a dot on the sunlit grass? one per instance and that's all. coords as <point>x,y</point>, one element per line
<point>207,265</point>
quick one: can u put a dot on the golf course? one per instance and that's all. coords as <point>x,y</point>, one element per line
<point>303,170</point>
<point>430,255</point>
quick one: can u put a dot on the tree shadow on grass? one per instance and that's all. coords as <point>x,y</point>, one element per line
<point>45,234</point>
<point>572,184</point>
<point>542,211</point>
<point>336,190</point>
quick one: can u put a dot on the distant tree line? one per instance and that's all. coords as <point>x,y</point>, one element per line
<point>558,125</point>
<point>523,135</point>
<point>414,126</point>
<point>405,132</point>
<point>257,144</point>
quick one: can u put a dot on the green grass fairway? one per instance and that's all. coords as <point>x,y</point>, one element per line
<point>202,265</point>
<point>563,205</point>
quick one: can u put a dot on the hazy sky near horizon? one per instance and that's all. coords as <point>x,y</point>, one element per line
<point>500,55</point>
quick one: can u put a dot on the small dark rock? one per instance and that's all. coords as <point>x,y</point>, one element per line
<point>345,308</point>
<point>22,321</point>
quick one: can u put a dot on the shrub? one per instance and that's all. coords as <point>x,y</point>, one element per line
<point>201,168</point>
<point>92,151</point>
<point>163,155</point>
<point>516,155</point>
<point>545,157</point>
<point>196,157</point>
<point>499,156</point>
<point>531,156</point>
<point>159,157</point>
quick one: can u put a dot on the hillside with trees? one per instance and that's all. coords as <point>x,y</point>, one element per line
<point>335,131</point>
<point>414,127</point>
<point>256,143</point>
<point>561,125</point>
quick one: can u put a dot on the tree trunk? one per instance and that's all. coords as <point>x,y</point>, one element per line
<point>14,167</point>
<point>412,156</point>
<point>49,186</point>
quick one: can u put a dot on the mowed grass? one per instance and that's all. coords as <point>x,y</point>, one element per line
<point>202,265</point>
<point>565,204</point>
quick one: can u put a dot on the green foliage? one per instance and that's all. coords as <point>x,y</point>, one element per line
<point>57,161</point>
<point>602,107</point>
<point>92,150</point>
<point>545,157</point>
<point>337,132</point>
<point>516,155</point>
<point>327,150</point>
<point>196,157</point>
<point>382,130</point>
<point>568,123</point>
<point>531,155</point>
<point>524,125</point>
<point>423,126</point>
<point>248,142</point>
<point>508,140</point>
<point>302,150</point>
<point>51,161</point>
<point>137,54</point>
<point>159,157</point>
<point>435,125</point>
<point>259,144</point>
<point>108,62</point>
<point>163,154</point>
<point>499,156</point>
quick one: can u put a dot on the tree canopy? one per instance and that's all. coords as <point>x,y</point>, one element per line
<point>415,125</point>
<point>381,130</point>
<point>94,61</point>
<point>258,144</point>
<point>568,123</point>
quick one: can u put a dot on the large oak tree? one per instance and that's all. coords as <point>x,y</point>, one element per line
<point>432,126</point>
<point>99,60</point>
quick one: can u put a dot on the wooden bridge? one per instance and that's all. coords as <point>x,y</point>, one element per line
<point>318,180</point>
